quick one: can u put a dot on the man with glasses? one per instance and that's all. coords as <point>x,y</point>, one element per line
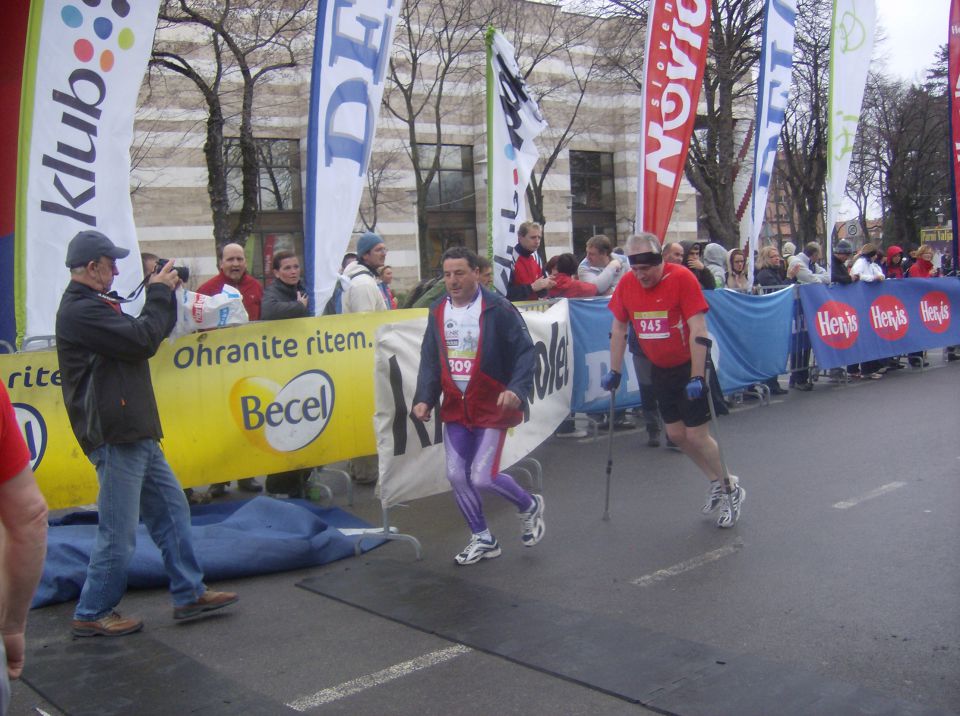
<point>666,307</point>
<point>108,394</point>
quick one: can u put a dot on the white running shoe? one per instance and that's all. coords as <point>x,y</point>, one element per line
<point>728,518</point>
<point>478,549</point>
<point>715,495</point>
<point>533,527</point>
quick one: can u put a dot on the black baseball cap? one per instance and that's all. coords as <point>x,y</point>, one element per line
<point>89,246</point>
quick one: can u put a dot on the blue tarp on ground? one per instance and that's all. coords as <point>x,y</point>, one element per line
<point>231,539</point>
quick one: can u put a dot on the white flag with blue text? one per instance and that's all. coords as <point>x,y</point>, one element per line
<point>351,51</point>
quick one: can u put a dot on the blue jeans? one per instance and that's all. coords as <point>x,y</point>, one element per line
<point>136,480</point>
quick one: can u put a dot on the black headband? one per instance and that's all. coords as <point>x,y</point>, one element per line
<point>647,258</point>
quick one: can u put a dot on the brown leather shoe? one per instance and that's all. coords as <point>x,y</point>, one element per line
<point>111,625</point>
<point>209,602</point>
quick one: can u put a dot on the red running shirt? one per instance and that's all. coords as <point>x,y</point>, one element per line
<point>660,314</point>
<point>14,455</point>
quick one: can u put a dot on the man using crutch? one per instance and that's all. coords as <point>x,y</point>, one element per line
<point>665,304</point>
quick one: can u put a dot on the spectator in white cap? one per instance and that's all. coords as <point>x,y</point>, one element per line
<point>364,293</point>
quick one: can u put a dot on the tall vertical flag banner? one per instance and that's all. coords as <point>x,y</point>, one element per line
<point>513,123</point>
<point>11,76</point>
<point>953,74</point>
<point>773,92</point>
<point>851,45</point>
<point>676,53</point>
<point>82,72</point>
<point>350,54</point>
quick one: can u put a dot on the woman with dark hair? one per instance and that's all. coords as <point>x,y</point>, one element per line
<point>285,297</point>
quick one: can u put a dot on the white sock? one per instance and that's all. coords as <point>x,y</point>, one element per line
<point>485,536</point>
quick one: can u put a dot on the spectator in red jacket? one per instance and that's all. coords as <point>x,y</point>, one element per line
<point>528,280</point>
<point>562,269</point>
<point>233,272</point>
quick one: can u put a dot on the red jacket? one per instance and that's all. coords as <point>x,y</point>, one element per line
<point>250,289</point>
<point>569,287</point>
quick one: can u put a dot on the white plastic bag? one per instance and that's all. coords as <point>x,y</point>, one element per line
<point>198,312</point>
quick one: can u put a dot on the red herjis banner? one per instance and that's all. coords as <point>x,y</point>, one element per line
<point>678,32</point>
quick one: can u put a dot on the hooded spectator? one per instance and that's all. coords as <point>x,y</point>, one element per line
<point>894,265</point>
<point>692,260</point>
<point>715,258</point>
<point>737,271</point>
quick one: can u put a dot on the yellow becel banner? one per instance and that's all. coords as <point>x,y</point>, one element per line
<point>234,402</point>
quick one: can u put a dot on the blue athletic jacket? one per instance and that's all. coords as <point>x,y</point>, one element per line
<point>505,362</point>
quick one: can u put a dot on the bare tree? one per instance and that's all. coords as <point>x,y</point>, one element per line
<point>437,44</point>
<point>561,34</point>
<point>381,173</point>
<point>912,156</point>
<point>240,43</point>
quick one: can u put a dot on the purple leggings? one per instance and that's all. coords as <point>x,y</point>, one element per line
<point>473,463</point>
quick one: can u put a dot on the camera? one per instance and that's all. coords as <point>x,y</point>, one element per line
<point>182,271</point>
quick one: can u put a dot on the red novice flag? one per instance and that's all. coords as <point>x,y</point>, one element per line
<point>678,32</point>
<point>953,73</point>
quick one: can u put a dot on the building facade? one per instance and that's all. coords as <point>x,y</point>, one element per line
<point>591,146</point>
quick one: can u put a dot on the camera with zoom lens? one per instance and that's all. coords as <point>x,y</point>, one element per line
<point>182,271</point>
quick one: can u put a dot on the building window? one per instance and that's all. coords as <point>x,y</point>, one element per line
<point>278,187</point>
<point>451,203</point>
<point>594,202</point>
<point>279,223</point>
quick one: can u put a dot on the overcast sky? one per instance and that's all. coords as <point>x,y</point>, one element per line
<point>914,30</point>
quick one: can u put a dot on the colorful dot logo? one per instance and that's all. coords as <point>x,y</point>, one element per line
<point>100,33</point>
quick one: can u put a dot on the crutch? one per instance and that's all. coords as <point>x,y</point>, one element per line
<point>606,502</point>
<point>709,369</point>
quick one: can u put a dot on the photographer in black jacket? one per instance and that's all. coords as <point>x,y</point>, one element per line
<point>109,398</point>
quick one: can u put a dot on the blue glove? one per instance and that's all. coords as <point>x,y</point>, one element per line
<point>696,388</point>
<point>610,380</point>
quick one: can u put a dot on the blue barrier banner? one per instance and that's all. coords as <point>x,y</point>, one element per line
<point>751,335</point>
<point>867,321</point>
<point>751,339</point>
<point>590,322</point>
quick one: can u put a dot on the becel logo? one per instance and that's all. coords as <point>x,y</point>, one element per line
<point>34,431</point>
<point>283,419</point>
<point>103,29</point>
<point>888,316</point>
<point>935,311</point>
<point>837,324</point>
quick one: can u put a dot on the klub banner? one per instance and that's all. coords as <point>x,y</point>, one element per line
<point>751,341</point>
<point>82,74</point>
<point>867,321</point>
<point>350,55</point>
<point>234,402</point>
<point>412,459</point>
<point>676,53</point>
<point>513,123</point>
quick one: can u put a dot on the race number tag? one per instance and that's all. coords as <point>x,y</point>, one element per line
<point>651,325</point>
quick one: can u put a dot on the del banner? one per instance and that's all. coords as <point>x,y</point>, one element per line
<point>412,459</point>
<point>867,321</point>
<point>234,402</point>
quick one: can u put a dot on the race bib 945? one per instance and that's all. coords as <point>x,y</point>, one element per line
<point>651,324</point>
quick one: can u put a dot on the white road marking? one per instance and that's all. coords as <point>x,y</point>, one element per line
<point>384,676</point>
<point>882,490</point>
<point>685,566</point>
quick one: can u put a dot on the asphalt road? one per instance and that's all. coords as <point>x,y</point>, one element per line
<point>844,564</point>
